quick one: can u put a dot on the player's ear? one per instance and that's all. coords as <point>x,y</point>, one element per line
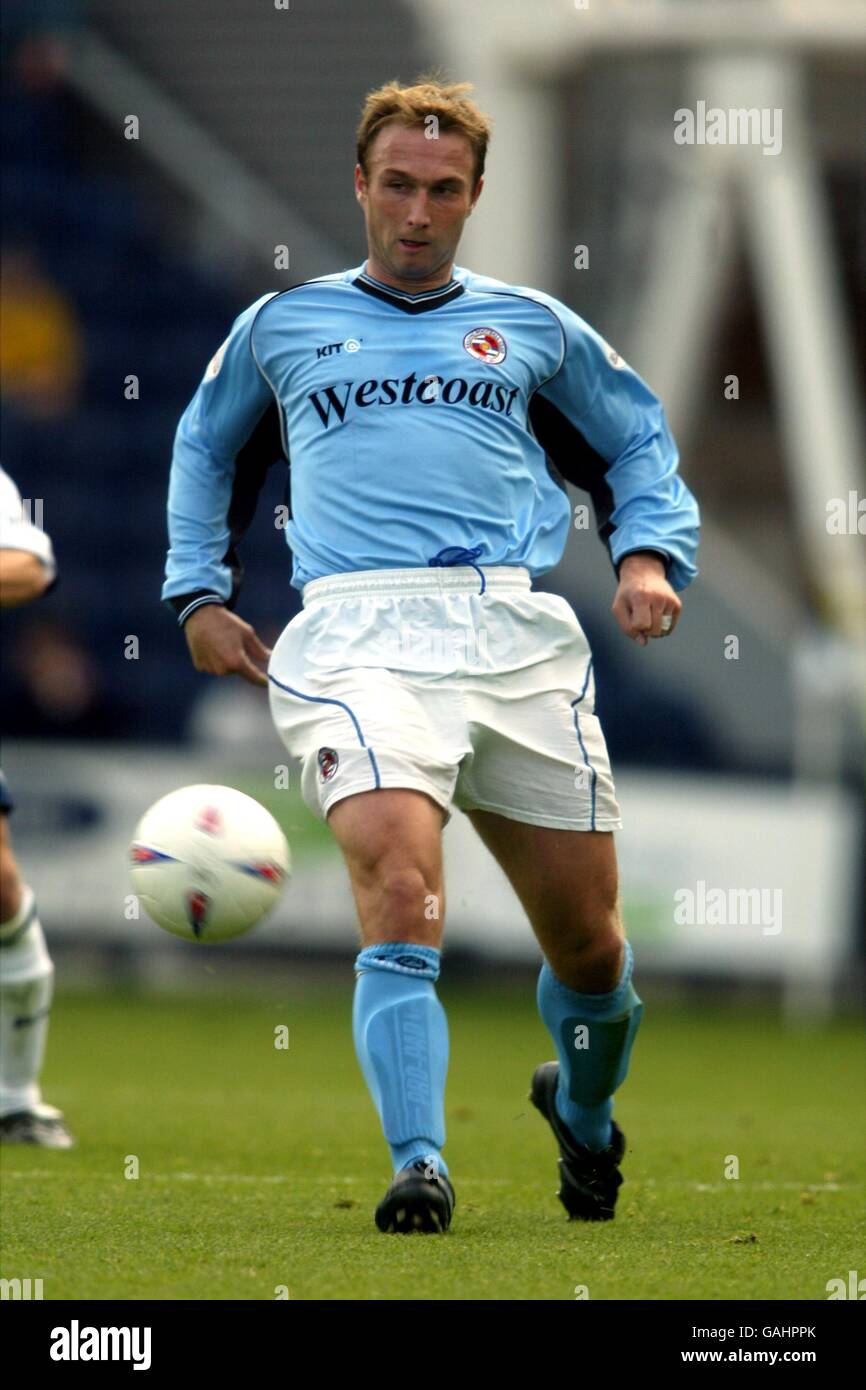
<point>476,194</point>
<point>360,184</point>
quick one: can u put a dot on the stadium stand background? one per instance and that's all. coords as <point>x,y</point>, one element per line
<point>153,291</point>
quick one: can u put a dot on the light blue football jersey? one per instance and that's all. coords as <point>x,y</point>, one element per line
<point>412,424</point>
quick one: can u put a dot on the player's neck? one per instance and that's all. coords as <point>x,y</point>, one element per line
<point>437,281</point>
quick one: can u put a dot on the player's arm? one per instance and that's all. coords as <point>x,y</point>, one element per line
<point>202,576</point>
<point>22,578</point>
<point>27,566</point>
<point>606,432</point>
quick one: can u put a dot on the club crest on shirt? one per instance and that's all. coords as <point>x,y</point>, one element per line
<point>486,344</point>
<point>328,763</point>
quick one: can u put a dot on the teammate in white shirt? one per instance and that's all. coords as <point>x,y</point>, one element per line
<point>27,570</point>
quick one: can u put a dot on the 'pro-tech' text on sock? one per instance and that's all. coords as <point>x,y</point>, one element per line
<point>593,1034</point>
<point>401,1038</point>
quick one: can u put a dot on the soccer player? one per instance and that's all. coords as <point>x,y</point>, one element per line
<point>430,416</point>
<point>27,570</point>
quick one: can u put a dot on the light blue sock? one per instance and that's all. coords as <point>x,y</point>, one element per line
<point>401,1038</point>
<point>593,1034</point>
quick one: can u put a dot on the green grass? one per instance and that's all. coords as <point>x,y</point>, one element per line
<point>261,1167</point>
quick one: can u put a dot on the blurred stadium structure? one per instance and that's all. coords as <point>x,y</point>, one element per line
<point>125,260</point>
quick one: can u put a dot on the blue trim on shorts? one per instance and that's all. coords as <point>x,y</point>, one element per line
<point>324,700</point>
<point>574,705</point>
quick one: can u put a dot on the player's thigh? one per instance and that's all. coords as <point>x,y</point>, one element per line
<point>566,880</point>
<point>391,840</point>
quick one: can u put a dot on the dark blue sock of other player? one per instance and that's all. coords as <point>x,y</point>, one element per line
<point>401,1038</point>
<point>593,1034</point>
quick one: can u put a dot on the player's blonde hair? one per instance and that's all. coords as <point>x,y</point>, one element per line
<point>411,106</point>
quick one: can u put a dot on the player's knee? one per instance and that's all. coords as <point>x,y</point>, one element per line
<point>405,889</point>
<point>10,885</point>
<point>400,897</point>
<point>589,959</point>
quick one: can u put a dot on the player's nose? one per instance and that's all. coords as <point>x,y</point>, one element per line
<point>419,212</point>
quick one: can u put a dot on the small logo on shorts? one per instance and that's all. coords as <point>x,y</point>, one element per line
<point>328,763</point>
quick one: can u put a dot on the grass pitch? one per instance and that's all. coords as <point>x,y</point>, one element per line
<point>259,1167</point>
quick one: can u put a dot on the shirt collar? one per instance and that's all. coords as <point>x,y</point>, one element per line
<point>401,299</point>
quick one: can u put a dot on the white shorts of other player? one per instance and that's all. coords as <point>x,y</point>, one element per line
<point>415,678</point>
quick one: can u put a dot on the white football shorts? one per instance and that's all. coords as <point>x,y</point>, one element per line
<point>416,678</point>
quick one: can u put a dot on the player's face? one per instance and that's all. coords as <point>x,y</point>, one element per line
<point>416,196</point>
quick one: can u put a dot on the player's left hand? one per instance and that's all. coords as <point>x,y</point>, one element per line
<point>644,597</point>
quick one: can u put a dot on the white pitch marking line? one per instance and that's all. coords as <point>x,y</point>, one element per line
<point>338,1179</point>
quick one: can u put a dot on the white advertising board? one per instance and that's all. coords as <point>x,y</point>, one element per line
<point>717,875</point>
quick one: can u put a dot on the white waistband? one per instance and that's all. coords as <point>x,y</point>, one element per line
<point>461,579</point>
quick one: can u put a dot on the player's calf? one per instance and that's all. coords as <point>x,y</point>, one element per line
<point>391,841</point>
<point>401,1038</point>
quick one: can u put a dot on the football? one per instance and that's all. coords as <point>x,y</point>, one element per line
<point>207,863</point>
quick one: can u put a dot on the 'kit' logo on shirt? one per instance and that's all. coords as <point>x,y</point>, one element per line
<point>332,349</point>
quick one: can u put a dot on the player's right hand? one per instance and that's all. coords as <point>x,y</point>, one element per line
<point>222,644</point>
